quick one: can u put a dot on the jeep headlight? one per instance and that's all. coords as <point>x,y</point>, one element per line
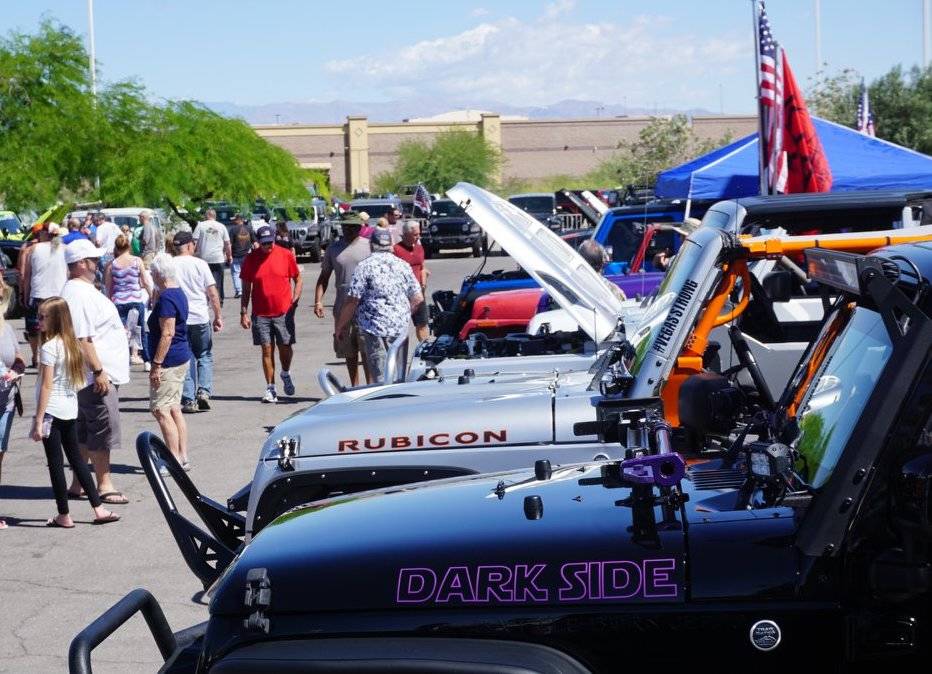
<point>466,227</point>
<point>474,227</point>
<point>433,229</point>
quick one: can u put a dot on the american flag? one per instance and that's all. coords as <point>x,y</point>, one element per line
<point>771,97</point>
<point>865,120</point>
<point>422,199</point>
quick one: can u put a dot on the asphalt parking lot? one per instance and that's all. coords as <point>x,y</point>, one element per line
<point>53,582</point>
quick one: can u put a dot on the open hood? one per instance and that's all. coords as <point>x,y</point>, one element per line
<point>559,269</point>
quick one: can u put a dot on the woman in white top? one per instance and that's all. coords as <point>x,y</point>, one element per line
<point>12,366</point>
<point>61,373</point>
<point>44,274</point>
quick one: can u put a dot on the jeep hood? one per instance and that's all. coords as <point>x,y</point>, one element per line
<point>559,269</point>
<point>487,411</point>
<point>458,543</point>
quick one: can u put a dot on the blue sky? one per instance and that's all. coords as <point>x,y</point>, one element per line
<point>672,53</point>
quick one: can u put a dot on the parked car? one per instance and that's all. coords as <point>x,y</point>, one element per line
<point>450,227</point>
<point>802,544</point>
<point>376,207</point>
<point>11,276</point>
<point>303,227</point>
<point>10,225</point>
<point>541,205</point>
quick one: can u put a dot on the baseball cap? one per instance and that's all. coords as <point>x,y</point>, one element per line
<point>181,238</point>
<point>381,238</point>
<point>81,249</point>
<point>352,221</point>
<point>265,235</point>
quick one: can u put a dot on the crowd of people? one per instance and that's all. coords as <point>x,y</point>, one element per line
<point>101,298</point>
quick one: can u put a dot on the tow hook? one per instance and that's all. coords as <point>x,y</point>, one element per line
<point>258,599</point>
<point>287,450</point>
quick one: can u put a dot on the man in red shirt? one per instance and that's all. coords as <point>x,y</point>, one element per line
<point>411,251</point>
<point>268,274</point>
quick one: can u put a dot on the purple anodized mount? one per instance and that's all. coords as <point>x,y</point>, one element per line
<point>662,470</point>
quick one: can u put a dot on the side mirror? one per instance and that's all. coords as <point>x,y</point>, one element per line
<point>912,496</point>
<point>778,285</point>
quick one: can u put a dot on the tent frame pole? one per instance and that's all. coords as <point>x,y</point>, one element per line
<point>762,177</point>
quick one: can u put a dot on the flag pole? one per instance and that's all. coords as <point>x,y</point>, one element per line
<point>762,179</point>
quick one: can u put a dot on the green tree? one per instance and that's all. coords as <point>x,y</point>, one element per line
<point>901,102</point>
<point>661,144</point>
<point>454,156</point>
<point>57,141</point>
<point>48,124</point>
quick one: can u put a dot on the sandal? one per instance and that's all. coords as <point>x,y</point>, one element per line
<point>4,525</point>
<point>106,519</point>
<point>113,498</point>
<point>52,523</point>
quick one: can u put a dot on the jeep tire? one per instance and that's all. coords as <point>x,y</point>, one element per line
<point>477,249</point>
<point>314,251</point>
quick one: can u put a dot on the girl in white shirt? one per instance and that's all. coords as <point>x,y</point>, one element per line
<point>61,374</point>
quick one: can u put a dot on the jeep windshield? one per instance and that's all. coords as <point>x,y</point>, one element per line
<point>534,204</point>
<point>849,356</point>
<point>446,208</point>
<point>374,210</point>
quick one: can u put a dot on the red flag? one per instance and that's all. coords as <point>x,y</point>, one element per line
<point>806,164</point>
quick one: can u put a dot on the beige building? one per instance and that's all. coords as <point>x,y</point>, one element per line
<point>357,150</point>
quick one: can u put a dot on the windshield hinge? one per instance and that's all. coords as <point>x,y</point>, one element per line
<point>258,599</point>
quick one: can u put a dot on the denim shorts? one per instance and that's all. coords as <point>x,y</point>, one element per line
<point>273,329</point>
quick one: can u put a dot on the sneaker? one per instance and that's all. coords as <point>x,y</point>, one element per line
<point>203,400</point>
<point>163,470</point>
<point>135,360</point>
<point>186,467</point>
<point>189,407</point>
<point>287,383</point>
<point>270,396</point>
<point>147,366</point>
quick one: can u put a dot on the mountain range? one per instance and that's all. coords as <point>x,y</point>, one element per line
<point>335,112</point>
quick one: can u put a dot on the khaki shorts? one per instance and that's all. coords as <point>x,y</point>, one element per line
<point>349,346</point>
<point>99,419</point>
<point>168,393</point>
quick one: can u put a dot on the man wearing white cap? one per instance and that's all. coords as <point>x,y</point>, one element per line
<point>100,331</point>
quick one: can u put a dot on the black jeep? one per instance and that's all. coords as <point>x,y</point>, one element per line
<point>805,540</point>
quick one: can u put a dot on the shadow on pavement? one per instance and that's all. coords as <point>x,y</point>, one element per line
<point>26,493</point>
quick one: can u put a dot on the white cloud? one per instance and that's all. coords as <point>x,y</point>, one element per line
<point>647,59</point>
<point>479,11</point>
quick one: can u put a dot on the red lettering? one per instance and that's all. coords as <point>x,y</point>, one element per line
<point>369,444</point>
<point>348,444</point>
<point>467,438</point>
<point>500,436</point>
<point>435,439</point>
<point>400,442</point>
<point>420,441</point>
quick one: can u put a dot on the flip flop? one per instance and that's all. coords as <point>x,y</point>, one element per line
<point>112,517</point>
<point>53,524</point>
<point>4,525</point>
<point>113,498</point>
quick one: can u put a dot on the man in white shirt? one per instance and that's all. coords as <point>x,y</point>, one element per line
<point>100,331</point>
<point>212,241</point>
<point>198,284</point>
<point>107,232</point>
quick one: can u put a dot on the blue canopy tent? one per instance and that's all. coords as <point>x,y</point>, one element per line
<point>858,162</point>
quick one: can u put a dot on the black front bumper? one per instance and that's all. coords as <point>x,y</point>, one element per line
<point>451,241</point>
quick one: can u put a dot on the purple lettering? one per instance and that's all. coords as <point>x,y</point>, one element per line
<point>416,586</point>
<point>620,580</point>
<point>657,574</point>
<point>525,583</point>
<point>456,583</point>
<point>492,583</point>
<point>572,575</point>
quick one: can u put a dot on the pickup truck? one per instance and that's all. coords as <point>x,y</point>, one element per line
<point>802,543</point>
